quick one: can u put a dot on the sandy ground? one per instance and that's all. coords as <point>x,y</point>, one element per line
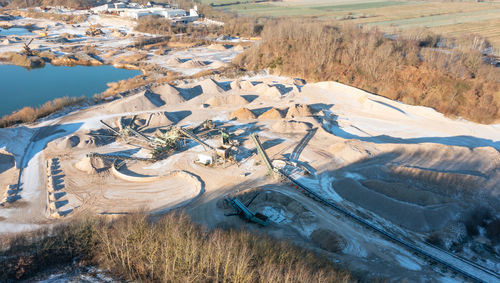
<point>407,169</point>
<point>116,45</point>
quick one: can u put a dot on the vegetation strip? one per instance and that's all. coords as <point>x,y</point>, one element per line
<point>454,81</point>
<point>172,249</point>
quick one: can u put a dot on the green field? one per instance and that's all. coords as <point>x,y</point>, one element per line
<point>448,18</point>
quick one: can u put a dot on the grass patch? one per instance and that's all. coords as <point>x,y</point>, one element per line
<point>359,6</point>
<point>171,250</point>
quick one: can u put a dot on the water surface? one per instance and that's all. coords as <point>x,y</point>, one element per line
<point>21,87</point>
<point>15,31</point>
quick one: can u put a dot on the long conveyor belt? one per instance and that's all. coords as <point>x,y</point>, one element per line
<point>467,268</point>
<point>262,152</point>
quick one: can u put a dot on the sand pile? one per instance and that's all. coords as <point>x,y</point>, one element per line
<point>174,61</point>
<point>233,100</point>
<point>217,64</point>
<point>246,85</point>
<point>219,47</point>
<point>243,114</point>
<point>267,90</point>
<point>85,165</point>
<point>298,110</point>
<point>137,102</point>
<point>157,119</point>
<point>236,84</point>
<point>66,142</point>
<point>91,165</point>
<point>290,127</point>
<point>209,86</point>
<point>72,141</point>
<point>272,113</point>
<point>193,64</point>
<point>169,94</point>
<point>87,141</point>
<point>241,84</point>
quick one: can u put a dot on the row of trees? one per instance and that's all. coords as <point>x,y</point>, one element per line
<point>172,249</point>
<point>455,81</point>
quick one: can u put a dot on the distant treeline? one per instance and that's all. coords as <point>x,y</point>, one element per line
<point>411,68</point>
<point>241,26</point>
<point>74,4</point>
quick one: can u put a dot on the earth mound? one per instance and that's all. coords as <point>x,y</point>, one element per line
<point>236,84</point>
<point>268,90</point>
<point>87,141</point>
<point>219,47</point>
<point>217,64</point>
<point>290,127</point>
<point>157,119</point>
<point>85,165</point>
<point>246,85</point>
<point>243,114</point>
<point>174,61</point>
<point>210,86</point>
<point>193,64</point>
<point>235,100</point>
<point>137,102</point>
<point>91,165</point>
<point>298,110</point>
<point>169,94</point>
<point>272,113</point>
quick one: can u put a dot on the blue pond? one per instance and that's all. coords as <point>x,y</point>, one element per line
<point>14,31</point>
<point>20,87</point>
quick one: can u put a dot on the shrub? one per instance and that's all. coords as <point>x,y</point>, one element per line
<point>477,218</point>
<point>455,82</point>
<point>30,114</point>
<point>493,231</point>
<point>434,239</point>
<point>171,250</point>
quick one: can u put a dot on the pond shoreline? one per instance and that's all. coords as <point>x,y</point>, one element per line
<point>38,90</point>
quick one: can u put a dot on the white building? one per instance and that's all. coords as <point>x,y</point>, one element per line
<point>173,13</point>
<point>102,8</point>
<point>135,11</point>
<point>120,5</point>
